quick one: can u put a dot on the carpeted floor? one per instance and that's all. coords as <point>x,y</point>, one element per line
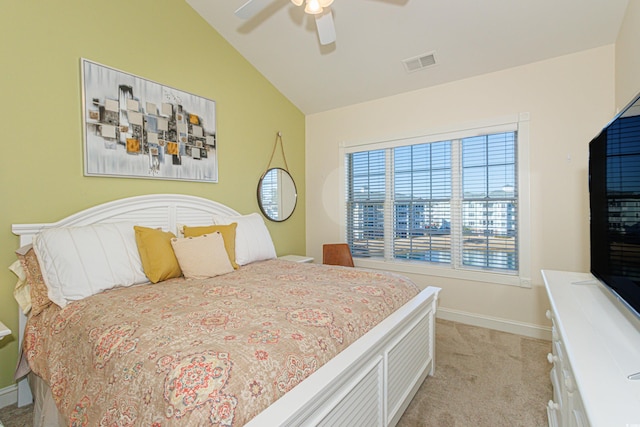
<point>12,416</point>
<point>483,378</point>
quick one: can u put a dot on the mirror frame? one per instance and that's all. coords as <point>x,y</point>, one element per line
<point>295,195</point>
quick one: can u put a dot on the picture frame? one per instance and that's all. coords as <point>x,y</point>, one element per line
<point>137,128</point>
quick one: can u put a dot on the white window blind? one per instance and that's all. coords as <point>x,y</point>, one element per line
<point>489,202</point>
<point>449,202</point>
<point>422,202</point>
<point>365,203</point>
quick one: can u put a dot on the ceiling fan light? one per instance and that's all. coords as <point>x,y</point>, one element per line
<point>313,7</point>
<point>325,3</point>
<point>297,2</point>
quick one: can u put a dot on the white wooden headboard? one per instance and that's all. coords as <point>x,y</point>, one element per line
<point>166,211</point>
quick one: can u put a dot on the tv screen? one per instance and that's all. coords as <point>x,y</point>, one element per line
<point>614,192</point>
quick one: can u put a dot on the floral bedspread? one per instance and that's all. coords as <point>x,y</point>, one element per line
<point>204,352</point>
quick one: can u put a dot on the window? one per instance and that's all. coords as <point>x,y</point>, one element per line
<point>452,203</point>
<point>489,202</point>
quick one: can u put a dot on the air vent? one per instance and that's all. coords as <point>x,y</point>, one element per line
<point>419,62</point>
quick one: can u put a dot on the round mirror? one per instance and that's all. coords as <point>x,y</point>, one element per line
<point>277,194</point>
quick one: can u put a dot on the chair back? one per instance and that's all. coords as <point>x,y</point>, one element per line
<point>337,254</point>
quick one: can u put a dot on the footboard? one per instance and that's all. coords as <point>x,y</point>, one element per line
<point>371,382</point>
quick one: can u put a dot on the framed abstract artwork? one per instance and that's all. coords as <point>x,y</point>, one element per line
<point>137,128</point>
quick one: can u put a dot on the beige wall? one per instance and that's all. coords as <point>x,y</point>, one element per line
<point>569,99</point>
<point>162,40</point>
<point>627,57</point>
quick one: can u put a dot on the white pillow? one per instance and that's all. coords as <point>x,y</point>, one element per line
<point>253,241</point>
<point>203,256</point>
<point>77,262</point>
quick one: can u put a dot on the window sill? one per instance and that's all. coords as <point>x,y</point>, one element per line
<point>424,269</point>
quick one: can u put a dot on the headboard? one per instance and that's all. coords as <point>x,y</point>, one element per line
<point>166,211</point>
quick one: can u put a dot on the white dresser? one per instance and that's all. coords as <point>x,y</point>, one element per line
<point>596,346</point>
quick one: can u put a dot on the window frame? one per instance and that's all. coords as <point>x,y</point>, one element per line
<point>517,122</point>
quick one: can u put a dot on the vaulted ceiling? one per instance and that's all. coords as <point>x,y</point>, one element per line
<point>374,37</point>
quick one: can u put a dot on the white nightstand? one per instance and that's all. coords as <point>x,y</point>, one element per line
<point>296,258</point>
<point>4,331</point>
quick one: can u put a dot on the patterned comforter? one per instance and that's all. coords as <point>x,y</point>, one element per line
<point>204,352</point>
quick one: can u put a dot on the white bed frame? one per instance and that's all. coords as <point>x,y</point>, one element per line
<point>368,384</point>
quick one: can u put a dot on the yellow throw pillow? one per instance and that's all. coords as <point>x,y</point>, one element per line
<point>203,256</point>
<point>228,235</point>
<point>159,262</point>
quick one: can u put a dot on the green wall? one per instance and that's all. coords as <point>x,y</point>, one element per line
<point>41,43</point>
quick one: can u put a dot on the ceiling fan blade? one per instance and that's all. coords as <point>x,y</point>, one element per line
<point>251,8</point>
<point>326,29</point>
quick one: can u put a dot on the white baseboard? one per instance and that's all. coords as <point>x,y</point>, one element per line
<point>8,396</point>
<point>504,325</point>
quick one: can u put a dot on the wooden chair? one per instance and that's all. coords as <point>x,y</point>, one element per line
<point>337,254</point>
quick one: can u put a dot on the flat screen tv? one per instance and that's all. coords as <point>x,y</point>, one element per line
<point>614,198</point>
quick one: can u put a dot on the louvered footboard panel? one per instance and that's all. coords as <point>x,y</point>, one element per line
<point>362,402</point>
<point>411,350</point>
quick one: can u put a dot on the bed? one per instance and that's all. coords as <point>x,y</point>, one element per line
<point>271,342</point>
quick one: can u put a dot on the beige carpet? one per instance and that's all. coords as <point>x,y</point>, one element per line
<point>483,378</point>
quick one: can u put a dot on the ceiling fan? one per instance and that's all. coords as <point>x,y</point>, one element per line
<point>318,8</point>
